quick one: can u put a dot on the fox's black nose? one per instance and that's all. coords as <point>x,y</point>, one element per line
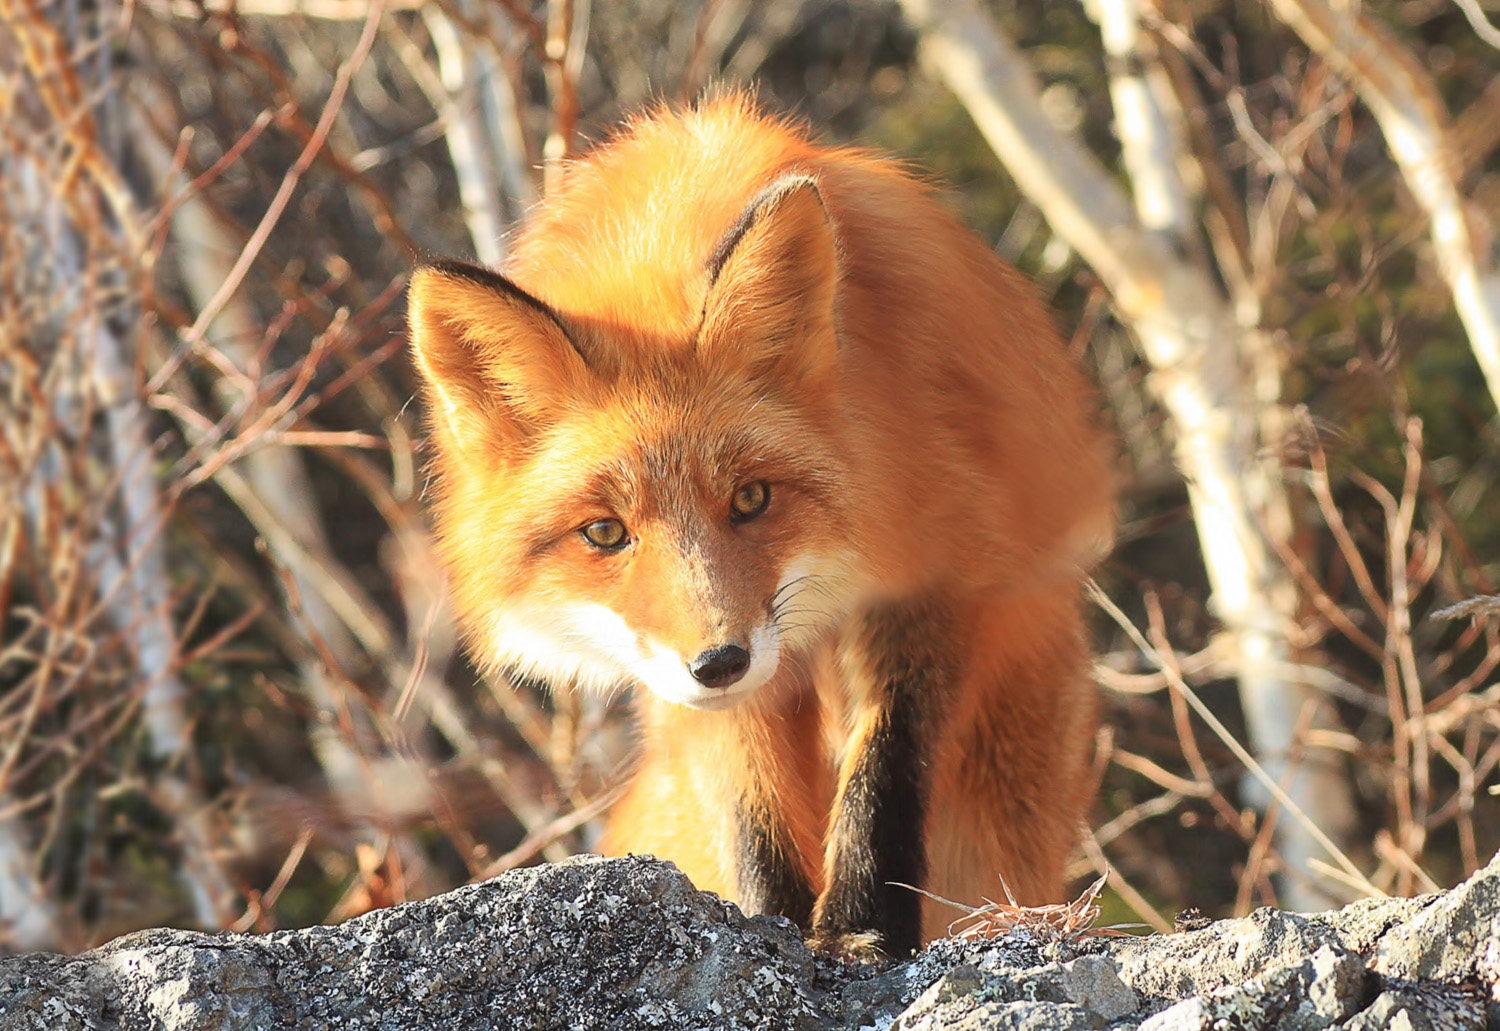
<point>721,666</point>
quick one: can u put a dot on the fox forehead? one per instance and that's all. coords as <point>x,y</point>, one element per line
<point>662,456</point>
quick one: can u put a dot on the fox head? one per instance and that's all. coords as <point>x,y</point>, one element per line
<point>666,507</point>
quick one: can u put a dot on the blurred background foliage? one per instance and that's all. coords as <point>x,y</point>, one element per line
<point>230,695</point>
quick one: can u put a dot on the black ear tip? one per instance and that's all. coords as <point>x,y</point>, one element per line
<point>463,272</point>
<point>767,200</point>
<point>789,184</point>
<point>478,275</point>
<point>780,190</point>
<point>451,268</point>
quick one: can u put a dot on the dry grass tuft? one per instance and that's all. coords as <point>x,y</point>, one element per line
<point>1059,922</point>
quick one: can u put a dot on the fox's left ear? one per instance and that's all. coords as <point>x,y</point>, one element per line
<point>497,360</point>
<point>773,285</point>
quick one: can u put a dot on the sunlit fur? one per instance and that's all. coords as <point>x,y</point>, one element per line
<point>924,435</point>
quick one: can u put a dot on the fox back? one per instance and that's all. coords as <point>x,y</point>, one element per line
<point>754,425</point>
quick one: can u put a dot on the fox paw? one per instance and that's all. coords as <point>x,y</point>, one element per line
<point>849,947</point>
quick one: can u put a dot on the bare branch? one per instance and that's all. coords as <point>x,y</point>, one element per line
<point>1411,113</point>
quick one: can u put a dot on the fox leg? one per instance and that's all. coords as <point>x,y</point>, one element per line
<point>899,676</point>
<point>780,805</point>
<point>968,761</point>
<point>737,799</point>
<point>769,873</point>
<point>1013,778</point>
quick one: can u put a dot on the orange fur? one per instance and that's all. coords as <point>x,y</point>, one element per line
<point>713,300</point>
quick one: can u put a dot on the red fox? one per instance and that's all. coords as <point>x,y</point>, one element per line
<point>755,425</point>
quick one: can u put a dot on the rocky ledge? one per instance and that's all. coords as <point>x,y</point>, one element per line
<point>626,944</point>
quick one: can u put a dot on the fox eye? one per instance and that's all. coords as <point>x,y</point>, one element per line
<point>750,500</point>
<point>606,534</point>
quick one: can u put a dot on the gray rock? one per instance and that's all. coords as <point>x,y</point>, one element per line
<point>1334,985</point>
<point>1202,1013</point>
<point>947,1002</point>
<point>1227,953</point>
<point>1429,1007</point>
<point>1084,992</point>
<point>1360,925</point>
<point>617,945</point>
<point>1288,998</point>
<point>1093,982</point>
<point>1455,936</point>
<point>963,1001</point>
<point>967,997</point>
<point>582,944</point>
<point>37,994</point>
<point>1027,1016</point>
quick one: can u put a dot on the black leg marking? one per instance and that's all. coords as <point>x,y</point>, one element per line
<point>878,839</point>
<point>770,879</point>
<point>879,832</point>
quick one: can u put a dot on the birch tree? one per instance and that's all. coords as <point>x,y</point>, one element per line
<point>1419,136</point>
<point>472,95</point>
<point>81,228</point>
<point>1200,370</point>
<point>1415,122</point>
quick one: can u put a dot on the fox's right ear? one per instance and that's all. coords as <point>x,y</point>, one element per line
<point>496,359</point>
<point>772,287</point>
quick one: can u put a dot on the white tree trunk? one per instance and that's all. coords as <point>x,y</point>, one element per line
<point>1154,151</point>
<point>1149,142</point>
<point>273,489</point>
<point>1188,334</point>
<point>71,238</point>
<point>1414,120</point>
<point>462,71</point>
<point>134,578</point>
<point>28,920</point>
